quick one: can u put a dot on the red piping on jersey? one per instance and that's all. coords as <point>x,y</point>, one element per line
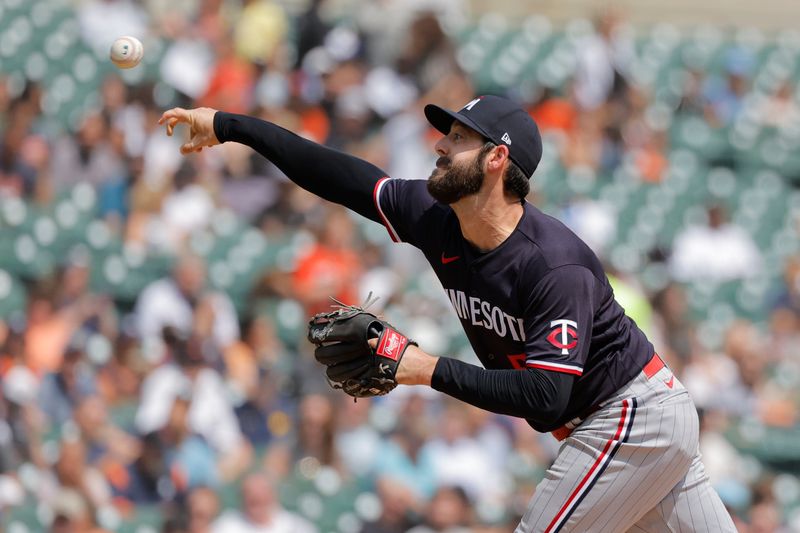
<point>385,220</point>
<point>545,366</point>
<point>594,467</point>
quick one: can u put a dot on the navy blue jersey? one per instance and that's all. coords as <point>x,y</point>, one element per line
<point>539,300</point>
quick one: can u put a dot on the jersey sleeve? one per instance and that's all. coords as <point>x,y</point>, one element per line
<point>559,319</point>
<point>403,207</point>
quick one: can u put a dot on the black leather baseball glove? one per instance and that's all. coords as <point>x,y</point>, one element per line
<point>352,364</point>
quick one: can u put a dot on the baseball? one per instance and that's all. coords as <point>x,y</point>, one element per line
<point>127,52</point>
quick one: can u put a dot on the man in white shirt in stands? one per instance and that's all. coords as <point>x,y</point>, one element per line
<point>716,252</point>
<point>175,300</point>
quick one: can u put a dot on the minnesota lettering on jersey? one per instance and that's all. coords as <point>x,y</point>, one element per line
<point>482,313</point>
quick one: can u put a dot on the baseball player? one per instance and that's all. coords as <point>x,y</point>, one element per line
<point>536,306</point>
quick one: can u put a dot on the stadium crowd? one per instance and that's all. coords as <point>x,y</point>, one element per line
<point>189,408</point>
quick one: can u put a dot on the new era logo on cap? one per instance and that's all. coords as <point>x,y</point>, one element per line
<point>498,119</point>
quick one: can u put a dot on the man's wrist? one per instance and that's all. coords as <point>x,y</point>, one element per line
<point>416,367</point>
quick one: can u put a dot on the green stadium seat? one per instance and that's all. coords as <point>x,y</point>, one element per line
<point>773,446</point>
<point>145,519</point>
<point>13,296</point>
<point>288,317</point>
<point>25,517</point>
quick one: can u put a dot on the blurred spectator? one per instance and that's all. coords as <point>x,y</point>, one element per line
<point>789,296</point>
<point>716,251</point>
<point>187,378</point>
<point>554,112</point>
<point>428,54</point>
<point>65,312</point>
<point>107,446</point>
<point>408,137</point>
<point>251,183</point>
<point>203,508</point>
<point>650,158</point>
<point>232,80</point>
<point>765,514</point>
<point>673,321</point>
<point>594,221</point>
<point>61,391</point>
<point>603,59</point>
<point>779,109</point>
<point>145,481</point>
<point>119,378</point>
<point>71,514</point>
<point>583,149</point>
<point>331,267</point>
<point>73,479</point>
<point>632,297</point>
<point>191,461</point>
<point>125,109</point>
<point>260,31</point>
<point>725,466</point>
<point>22,424</point>
<point>87,156</point>
<point>182,299</point>
<point>311,30</point>
<point>726,380</point>
<point>157,161</point>
<point>351,123</point>
<point>449,511</point>
<point>693,100</point>
<point>459,458</point>
<point>261,512</point>
<point>185,209</point>
<point>314,437</point>
<point>260,381</point>
<point>32,166</point>
<point>726,97</point>
<point>24,160</point>
<point>94,313</point>
<point>49,332</point>
<point>784,317</point>
<point>402,461</point>
<point>357,440</point>
<point>399,505</point>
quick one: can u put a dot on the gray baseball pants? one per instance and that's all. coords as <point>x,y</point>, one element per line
<point>632,465</point>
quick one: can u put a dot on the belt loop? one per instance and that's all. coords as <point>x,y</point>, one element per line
<point>562,433</point>
<point>653,366</point>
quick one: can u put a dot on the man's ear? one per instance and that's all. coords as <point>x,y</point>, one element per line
<point>497,158</point>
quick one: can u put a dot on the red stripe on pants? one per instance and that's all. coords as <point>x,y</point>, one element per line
<point>591,471</point>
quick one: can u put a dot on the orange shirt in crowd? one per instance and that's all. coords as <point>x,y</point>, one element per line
<point>230,86</point>
<point>555,114</point>
<point>46,339</point>
<point>325,272</point>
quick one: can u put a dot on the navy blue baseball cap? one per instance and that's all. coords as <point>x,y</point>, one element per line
<point>500,120</point>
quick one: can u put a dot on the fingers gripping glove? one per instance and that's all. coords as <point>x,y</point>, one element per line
<point>352,364</point>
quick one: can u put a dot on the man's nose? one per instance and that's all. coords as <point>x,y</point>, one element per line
<point>441,146</point>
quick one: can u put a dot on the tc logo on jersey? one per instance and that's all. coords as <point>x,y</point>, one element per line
<point>564,336</point>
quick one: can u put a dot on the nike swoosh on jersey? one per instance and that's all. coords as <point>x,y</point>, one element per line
<point>671,382</point>
<point>446,260</point>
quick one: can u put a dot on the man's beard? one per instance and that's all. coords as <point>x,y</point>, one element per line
<point>456,181</point>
